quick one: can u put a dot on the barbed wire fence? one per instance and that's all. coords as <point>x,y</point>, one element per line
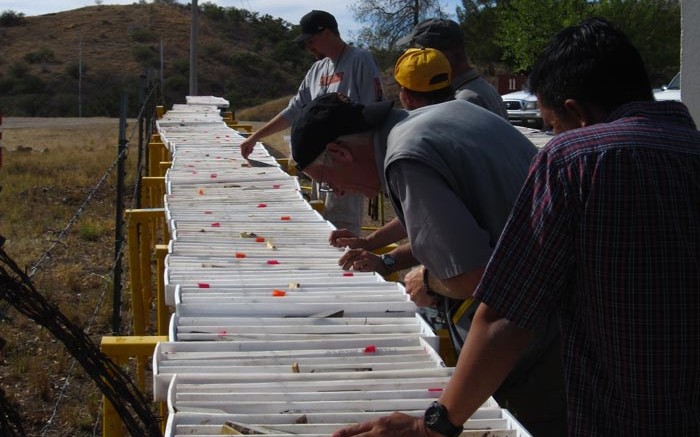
<point>17,290</point>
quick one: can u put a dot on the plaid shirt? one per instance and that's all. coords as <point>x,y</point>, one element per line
<point>606,232</point>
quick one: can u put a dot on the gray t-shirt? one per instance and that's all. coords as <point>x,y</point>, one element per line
<point>453,172</point>
<point>354,73</point>
<point>470,86</point>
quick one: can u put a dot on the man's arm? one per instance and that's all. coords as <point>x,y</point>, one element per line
<point>387,234</point>
<point>460,287</point>
<point>493,347</point>
<point>278,123</point>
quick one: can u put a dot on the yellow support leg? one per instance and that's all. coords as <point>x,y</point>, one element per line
<point>120,350</point>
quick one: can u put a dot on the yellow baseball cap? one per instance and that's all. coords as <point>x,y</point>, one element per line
<point>423,70</point>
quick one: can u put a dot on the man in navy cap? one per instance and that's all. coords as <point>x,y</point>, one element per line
<point>339,68</point>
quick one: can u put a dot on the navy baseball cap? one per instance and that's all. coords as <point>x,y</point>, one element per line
<point>328,117</point>
<point>314,22</point>
<point>436,33</point>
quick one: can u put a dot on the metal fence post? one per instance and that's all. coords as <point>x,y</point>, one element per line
<point>119,220</point>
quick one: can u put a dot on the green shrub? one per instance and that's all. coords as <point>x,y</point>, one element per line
<point>146,56</point>
<point>43,55</point>
<point>11,18</point>
<point>143,35</point>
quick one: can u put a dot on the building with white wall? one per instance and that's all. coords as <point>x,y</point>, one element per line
<point>690,56</point>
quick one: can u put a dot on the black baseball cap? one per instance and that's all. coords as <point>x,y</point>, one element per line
<point>436,33</point>
<point>328,117</point>
<point>314,22</point>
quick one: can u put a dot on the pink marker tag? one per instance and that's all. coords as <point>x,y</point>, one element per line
<point>435,389</point>
<point>213,176</point>
<point>262,205</point>
<point>276,186</point>
<point>216,225</point>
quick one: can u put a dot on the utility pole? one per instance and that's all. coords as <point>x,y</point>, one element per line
<point>193,48</point>
<point>80,77</point>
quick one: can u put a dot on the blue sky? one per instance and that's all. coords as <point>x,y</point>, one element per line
<point>289,10</point>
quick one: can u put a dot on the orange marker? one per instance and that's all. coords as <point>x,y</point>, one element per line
<point>279,293</point>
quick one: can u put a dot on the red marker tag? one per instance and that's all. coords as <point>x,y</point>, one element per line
<point>240,255</point>
<point>201,192</point>
<point>262,205</point>
<point>203,285</point>
<point>207,212</point>
<point>213,176</point>
<point>348,274</point>
<point>260,239</point>
<point>272,262</point>
<point>276,186</point>
<point>435,389</point>
<point>216,225</point>
<point>370,349</point>
<point>285,218</point>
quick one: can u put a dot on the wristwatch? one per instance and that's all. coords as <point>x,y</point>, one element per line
<point>389,261</point>
<point>435,419</point>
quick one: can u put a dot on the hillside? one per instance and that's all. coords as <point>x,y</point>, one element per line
<point>244,57</point>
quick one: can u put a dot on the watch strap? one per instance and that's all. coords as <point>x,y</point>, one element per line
<point>426,283</point>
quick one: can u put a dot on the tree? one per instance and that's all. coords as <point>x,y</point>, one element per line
<point>528,25</point>
<point>479,20</point>
<point>388,20</point>
<point>654,27</point>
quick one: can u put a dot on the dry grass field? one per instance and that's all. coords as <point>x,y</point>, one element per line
<point>57,213</point>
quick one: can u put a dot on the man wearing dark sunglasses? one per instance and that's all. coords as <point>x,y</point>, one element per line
<point>339,67</point>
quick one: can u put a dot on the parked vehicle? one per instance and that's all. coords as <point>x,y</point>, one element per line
<point>523,109</point>
<point>672,91</point>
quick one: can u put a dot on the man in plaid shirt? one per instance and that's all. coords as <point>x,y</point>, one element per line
<point>606,233</point>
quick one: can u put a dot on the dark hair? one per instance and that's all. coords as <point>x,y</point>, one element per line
<point>434,97</point>
<point>592,62</point>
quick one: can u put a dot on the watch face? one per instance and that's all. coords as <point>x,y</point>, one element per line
<point>432,415</point>
<point>388,260</point>
<point>435,418</point>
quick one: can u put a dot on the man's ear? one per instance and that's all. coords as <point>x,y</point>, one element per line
<point>339,152</point>
<point>583,115</point>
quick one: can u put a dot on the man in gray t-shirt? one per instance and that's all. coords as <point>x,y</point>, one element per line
<point>340,68</point>
<point>453,171</point>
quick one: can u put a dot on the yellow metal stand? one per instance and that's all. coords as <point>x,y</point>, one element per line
<point>120,350</point>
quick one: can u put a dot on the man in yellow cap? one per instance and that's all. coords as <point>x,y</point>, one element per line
<point>424,76</point>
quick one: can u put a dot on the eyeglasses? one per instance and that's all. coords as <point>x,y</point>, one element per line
<point>323,187</point>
